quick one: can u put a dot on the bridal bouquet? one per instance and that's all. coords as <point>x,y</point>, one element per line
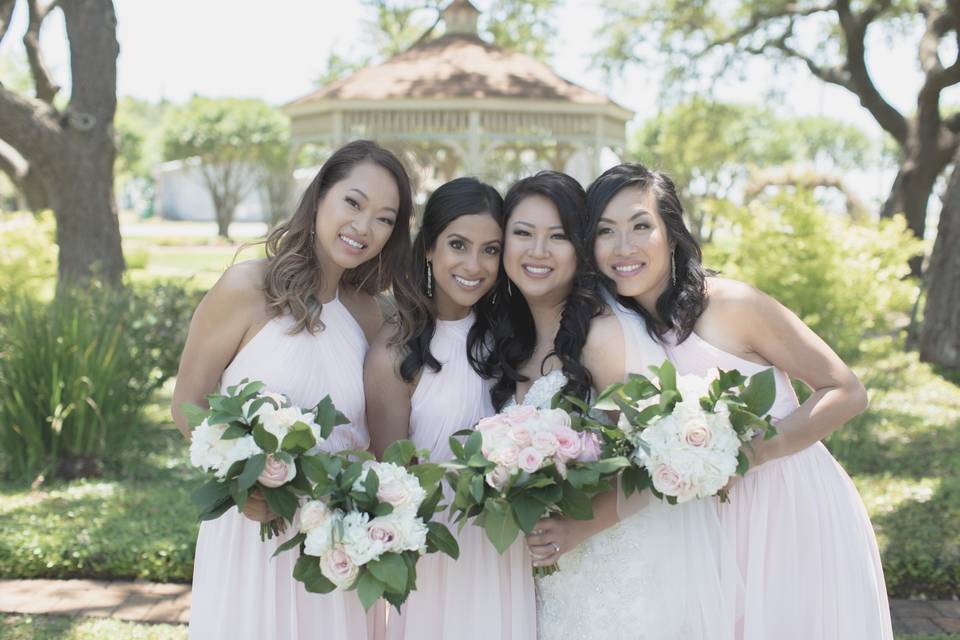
<point>366,523</point>
<point>685,435</point>
<point>521,463</point>
<point>251,439</point>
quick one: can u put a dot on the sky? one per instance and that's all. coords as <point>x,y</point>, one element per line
<point>274,50</point>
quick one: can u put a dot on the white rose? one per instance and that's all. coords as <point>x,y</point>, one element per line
<point>412,531</point>
<point>692,387</point>
<point>338,568</point>
<point>313,514</point>
<point>356,540</point>
<point>398,487</point>
<point>319,539</point>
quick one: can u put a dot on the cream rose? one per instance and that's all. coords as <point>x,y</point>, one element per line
<point>530,459</point>
<point>337,567</point>
<point>276,472</point>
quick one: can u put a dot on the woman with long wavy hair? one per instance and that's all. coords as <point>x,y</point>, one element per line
<point>801,538</point>
<point>300,321</point>
<point>427,378</point>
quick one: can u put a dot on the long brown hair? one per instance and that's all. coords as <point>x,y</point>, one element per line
<point>293,274</point>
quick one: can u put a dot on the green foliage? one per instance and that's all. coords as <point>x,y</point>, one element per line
<point>28,255</point>
<point>522,25</point>
<point>844,280</point>
<point>55,627</point>
<point>76,371</point>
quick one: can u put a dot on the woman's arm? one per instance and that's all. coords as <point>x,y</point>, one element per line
<point>768,331</point>
<point>228,316</point>
<point>387,394</point>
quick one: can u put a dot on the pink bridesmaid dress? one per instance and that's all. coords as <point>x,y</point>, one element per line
<point>483,595</point>
<point>239,591</point>
<point>805,547</point>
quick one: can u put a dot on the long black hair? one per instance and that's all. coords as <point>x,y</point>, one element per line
<point>415,317</point>
<point>679,306</point>
<point>514,333</point>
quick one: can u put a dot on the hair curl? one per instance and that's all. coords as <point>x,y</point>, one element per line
<point>679,306</point>
<point>513,331</point>
<point>293,275</point>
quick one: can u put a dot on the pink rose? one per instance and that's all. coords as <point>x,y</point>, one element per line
<point>492,423</point>
<point>499,477</point>
<point>545,442</point>
<point>697,434</point>
<point>337,567</point>
<point>520,434</point>
<point>394,492</point>
<point>383,531</point>
<point>590,450</point>
<point>530,460</point>
<point>506,456</point>
<point>568,443</point>
<point>557,418</point>
<point>276,472</point>
<point>519,414</point>
<point>668,481</point>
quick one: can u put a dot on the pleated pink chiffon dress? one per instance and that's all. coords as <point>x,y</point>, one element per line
<point>239,590</point>
<point>483,595</point>
<point>805,547</point>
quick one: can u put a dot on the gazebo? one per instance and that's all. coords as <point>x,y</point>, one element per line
<point>457,104</point>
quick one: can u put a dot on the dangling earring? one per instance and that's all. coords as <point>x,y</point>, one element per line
<point>673,269</point>
<point>429,279</point>
<point>509,290</point>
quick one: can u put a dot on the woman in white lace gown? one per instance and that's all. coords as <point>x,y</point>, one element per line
<point>655,575</point>
<point>299,321</point>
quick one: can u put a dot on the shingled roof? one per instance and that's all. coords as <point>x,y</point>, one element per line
<point>456,66</point>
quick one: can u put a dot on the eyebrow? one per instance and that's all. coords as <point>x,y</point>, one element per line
<point>366,197</point>
<point>533,226</point>
<point>639,214</point>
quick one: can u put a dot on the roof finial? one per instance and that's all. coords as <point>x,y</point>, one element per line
<point>460,17</point>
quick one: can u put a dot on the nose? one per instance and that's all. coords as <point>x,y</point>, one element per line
<point>472,263</point>
<point>624,246</point>
<point>361,223</point>
<point>539,248</point>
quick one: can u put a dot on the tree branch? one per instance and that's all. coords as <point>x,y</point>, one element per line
<point>6,14</point>
<point>26,124</point>
<point>759,18</point>
<point>46,88</point>
<point>12,163</point>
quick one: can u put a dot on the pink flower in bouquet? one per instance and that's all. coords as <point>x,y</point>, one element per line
<point>697,433</point>
<point>668,481</point>
<point>530,460</point>
<point>383,531</point>
<point>276,472</point>
<point>546,443</point>
<point>337,567</point>
<point>492,424</point>
<point>499,477</point>
<point>519,414</point>
<point>590,450</point>
<point>520,434</point>
<point>569,443</point>
<point>506,456</point>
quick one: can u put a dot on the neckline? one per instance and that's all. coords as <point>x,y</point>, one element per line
<point>462,325</point>
<point>712,347</point>
<point>540,381</point>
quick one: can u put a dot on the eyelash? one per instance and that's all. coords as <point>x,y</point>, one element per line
<point>353,203</point>
<point>492,251</point>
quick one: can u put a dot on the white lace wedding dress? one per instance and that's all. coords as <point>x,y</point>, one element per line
<point>655,575</point>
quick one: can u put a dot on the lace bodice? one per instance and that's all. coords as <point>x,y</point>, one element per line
<point>543,389</point>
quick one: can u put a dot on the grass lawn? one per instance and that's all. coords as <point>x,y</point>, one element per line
<point>36,627</point>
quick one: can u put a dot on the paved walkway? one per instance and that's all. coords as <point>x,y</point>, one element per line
<point>170,603</point>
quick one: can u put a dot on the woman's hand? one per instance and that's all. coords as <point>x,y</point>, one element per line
<point>257,509</point>
<point>553,537</point>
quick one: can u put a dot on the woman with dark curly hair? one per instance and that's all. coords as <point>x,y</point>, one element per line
<point>427,378</point>
<point>300,321</point>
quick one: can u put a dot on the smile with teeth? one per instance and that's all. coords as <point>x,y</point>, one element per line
<point>628,269</point>
<point>466,284</point>
<point>350,242</point>
<point>537,270</point>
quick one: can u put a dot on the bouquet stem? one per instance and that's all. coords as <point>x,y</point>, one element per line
<point>273,528</point>
<point>543,572</point>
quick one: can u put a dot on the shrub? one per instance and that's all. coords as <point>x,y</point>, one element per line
<point>75,372</point>
<point>28,253</point>
<point>845,280</point>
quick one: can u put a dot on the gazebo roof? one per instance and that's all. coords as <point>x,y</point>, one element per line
<point>456,66</point>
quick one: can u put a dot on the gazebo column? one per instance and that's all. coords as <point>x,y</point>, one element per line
<point>597,146</point>
<point>473,159</point>
<point>338,129</point>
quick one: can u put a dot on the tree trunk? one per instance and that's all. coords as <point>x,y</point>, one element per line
<point>940,334</point>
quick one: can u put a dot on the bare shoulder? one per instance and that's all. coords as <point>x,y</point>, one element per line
<point>605,332</point>
<point>383,354</point>
<point>366,311</point>
<point>240,288</point>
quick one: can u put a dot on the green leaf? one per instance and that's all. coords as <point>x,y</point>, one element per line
<point>383,509</point>
<point>527,509</point>
<point>667,374</point>
<point>457,448</point>
<point>350,475</point>
<point>210,492</point>
<point>761,392</point>
<point>428,473</point>
<point>307,571</point>
<point>628,481</point>
<point>743,463</point>
<point>313,468</point>
<point>583,476</point>
<point>214,511</point>
<point>369,589</point>
<point>282,502</point>
<point>391,570</point>
<point>233,432</point>
<point>299,439</point>
<point>194,414</point>
<point>477,487</point>
<point>238,495</point>
<point>400,452</point>
<point>290,544</point>
<point>251,389</point>
<point>328,417</point>
<point>371,484</point>
<point>429,506</point>
<point>499,524</point>
<point>473,444</point>
<point>264,439</point>
<point>440,539</point>
<point>251,471</point>
<point>610,465</point>
<point>575,503</point>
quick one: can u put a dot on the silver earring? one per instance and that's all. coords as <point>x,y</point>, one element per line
<point>509,290</point>
<point>429,279</point>
<point>673,269</point>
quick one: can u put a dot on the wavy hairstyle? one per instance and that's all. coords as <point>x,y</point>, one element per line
<point>514,334</point>
<point>679,306</point>
<point>415,317</point>
<point>293,274</point>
